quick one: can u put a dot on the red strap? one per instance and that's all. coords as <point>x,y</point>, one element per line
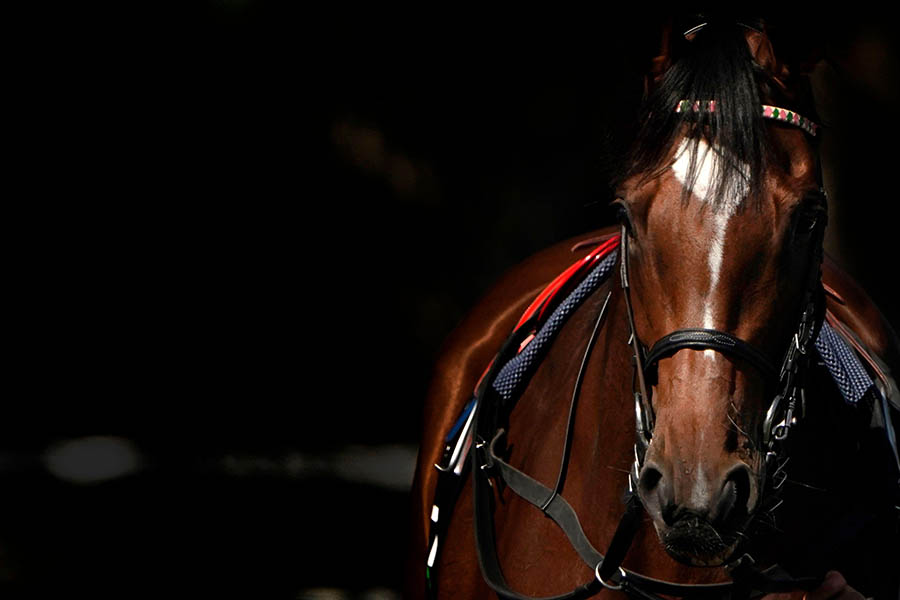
<point>544,299</point>
<point>541,303</point>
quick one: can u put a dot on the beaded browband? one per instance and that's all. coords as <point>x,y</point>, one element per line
<point>768,112</point>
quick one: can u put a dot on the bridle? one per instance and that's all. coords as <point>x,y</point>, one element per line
<point>787,405</point>
<point>784,412</point>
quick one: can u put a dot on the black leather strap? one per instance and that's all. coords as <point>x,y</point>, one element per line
<point>709,339</point>
<point>485,541</point>
<point>540,495</point>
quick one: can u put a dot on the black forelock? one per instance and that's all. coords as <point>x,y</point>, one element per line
<point>715,65</point>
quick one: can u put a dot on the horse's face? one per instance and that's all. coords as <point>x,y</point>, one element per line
<point>738,267</point>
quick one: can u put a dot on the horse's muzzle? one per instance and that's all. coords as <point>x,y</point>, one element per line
<point>694,541</point>
<point>704,528</point>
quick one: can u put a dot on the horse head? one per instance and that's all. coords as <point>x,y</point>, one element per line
<point>722,215</point>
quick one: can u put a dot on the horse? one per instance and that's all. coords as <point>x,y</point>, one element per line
<point>699,392</point>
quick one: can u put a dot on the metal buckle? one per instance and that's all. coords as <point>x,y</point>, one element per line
<point>800,348</point>
<point>779,477</point>
<point>610,586</point>
<point>635,474</point>
<point>642,420</point>
<point>781,431</point>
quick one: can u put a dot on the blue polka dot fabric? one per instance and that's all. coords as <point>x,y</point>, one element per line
<point>518,370</point>
<point>839,358</point>
<point>844,365</point>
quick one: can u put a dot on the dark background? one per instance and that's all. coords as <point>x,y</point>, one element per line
<point>246,227</point>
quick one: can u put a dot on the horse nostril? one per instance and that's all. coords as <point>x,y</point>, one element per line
<point>734,498</point>
<point>650,478</point>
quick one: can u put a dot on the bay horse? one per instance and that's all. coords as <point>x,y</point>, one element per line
<point>702,395</point>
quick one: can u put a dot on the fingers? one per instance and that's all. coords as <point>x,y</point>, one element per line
<point>834,587</point>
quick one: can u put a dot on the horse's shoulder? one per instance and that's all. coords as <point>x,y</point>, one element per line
<point>470,347</point>
<point>851,305</point>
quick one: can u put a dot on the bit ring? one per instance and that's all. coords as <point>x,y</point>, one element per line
<point>609,586</point>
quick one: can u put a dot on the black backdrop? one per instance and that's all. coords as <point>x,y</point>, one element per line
<point>248,226</point>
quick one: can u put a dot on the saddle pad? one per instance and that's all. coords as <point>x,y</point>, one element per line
<point>520,368</point>
<point>843,363</point>
<point>838,356</point>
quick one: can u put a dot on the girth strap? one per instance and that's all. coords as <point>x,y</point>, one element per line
<point>709,339</point>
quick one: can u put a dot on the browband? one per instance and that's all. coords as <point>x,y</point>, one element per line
<point>768,112</point>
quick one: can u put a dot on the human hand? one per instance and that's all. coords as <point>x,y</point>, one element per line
<point>833,587</point>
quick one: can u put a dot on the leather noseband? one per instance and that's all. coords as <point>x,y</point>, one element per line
<point>707,339</point>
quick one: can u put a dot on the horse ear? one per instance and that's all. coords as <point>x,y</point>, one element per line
<point>660,63</point>
<point>764,54</point>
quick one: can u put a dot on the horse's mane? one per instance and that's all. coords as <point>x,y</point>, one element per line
<point>715,65</point>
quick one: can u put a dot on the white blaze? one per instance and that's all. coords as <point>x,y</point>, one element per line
<point>705,171</point>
